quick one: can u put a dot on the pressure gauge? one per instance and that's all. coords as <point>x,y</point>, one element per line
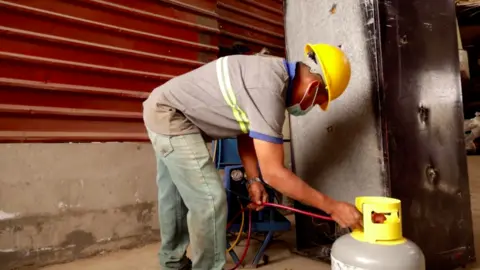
<point>236,175</point>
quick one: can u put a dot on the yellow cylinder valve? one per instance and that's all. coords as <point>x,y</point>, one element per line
<point>382,221</point>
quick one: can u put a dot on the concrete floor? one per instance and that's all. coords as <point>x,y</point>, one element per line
<point>280,255</point>
<point>145,258</point>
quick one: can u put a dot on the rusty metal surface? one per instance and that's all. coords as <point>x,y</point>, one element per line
<point>253,23</point>
<point>78,70</point>
<point>424,131</point>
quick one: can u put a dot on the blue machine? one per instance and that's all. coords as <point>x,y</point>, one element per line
<point>266,222</point>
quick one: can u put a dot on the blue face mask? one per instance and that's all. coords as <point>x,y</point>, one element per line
<point>296,110</point>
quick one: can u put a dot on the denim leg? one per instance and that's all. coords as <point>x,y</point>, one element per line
<point>194,174</point>
<point>172,212</point>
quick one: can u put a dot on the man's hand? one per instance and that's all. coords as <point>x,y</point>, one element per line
<point>346,215</point>
<point>258,195</point>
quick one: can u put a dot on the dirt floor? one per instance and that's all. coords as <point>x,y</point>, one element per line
<point>281,257</point>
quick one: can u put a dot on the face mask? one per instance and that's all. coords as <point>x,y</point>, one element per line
<point>296,110</point>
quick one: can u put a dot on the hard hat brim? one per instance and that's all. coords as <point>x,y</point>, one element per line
<point>324,106</point>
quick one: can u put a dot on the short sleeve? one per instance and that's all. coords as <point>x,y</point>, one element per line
<point>267,117</point>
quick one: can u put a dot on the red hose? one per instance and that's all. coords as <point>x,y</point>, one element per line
<point>247,244</point>
<point>236,216</point>
<point>310,214</point>
<point>267,204</point>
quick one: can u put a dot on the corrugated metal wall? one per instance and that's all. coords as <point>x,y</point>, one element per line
<point>78,70</point>
<point>257,24</point>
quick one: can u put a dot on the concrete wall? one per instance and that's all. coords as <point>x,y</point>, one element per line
<point>59,202</point>
<point>332,149</point>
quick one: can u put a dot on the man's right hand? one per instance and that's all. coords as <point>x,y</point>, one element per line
<point>346,215</point>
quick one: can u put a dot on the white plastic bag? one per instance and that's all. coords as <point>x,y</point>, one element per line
<point>471,128</point>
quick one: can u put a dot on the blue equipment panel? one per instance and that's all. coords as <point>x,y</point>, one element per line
<point>225,153</point>
<point>268,221</point>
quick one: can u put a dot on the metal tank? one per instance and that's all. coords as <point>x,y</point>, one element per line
<point>380,245</point>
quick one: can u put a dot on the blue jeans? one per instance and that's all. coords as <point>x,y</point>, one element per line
<point>192,205</point>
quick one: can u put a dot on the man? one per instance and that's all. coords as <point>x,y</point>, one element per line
<point>246,97</point>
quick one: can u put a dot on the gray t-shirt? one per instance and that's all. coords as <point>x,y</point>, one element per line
<point>230,96</point>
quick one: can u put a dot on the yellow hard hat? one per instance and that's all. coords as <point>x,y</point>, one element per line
<point>335,68</point>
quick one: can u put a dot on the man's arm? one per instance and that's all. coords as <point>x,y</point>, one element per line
<point>270,156</point>
<point>246,150</point>
<point>256,190</point>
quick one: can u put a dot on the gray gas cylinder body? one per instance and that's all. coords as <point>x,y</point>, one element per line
<point>350,254</point>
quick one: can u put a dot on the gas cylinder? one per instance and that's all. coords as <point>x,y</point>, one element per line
<point>380,244</point>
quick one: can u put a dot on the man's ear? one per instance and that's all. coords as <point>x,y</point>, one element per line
<point>311,88</point>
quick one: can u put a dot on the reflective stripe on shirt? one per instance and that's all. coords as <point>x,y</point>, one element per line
<point>225,84</point>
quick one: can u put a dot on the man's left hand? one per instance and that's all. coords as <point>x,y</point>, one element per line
<point>258,195</point>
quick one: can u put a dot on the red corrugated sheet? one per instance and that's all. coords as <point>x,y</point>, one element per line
<point>256,24</point>
<point>78,70</point>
